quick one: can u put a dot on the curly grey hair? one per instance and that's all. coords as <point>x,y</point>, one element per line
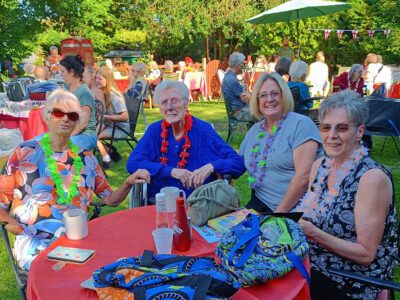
<point>352,102</point>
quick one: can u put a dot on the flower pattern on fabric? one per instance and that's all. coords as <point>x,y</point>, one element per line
<point>29,194</point>
<point>337,218</point>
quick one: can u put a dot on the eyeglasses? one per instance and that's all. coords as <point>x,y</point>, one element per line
<point>264,96</point>
<point>173,101</point>
<point>58,113</point>
<point>339,128</point>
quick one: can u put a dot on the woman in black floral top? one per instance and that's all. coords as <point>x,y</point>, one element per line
<point>349,212</point>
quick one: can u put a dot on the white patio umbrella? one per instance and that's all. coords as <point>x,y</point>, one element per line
<point>296,10</point>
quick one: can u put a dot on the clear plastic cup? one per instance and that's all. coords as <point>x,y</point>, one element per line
<point>163,239</point>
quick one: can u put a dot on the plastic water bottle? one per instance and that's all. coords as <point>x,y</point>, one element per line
<point>181,227</point>
<point>161,211</point>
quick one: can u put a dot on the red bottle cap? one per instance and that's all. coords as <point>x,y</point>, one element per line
<point>180,201</point>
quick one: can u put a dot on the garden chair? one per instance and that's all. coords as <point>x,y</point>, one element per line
<point>133,105</point>
<point>384,119</point>
<point>388,287</point>
<point>138,194</point>
<point>21,275</point>
<point>233,121</point>
<point>312,113</point>
<point>145,94</point>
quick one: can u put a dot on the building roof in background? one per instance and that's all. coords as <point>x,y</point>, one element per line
<point>124,53</point>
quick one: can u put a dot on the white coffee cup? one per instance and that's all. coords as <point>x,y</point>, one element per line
<point>163,239</point>
<point>75,223</point>
<point>171,193</point>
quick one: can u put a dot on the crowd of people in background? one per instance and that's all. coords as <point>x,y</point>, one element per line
<point>283,151</point>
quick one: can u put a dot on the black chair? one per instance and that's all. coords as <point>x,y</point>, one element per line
<point>21,275</point>
<point>233,121</point>
<point>133,105</point>
<point>379,283</point>
<point>312,113</point>
<point>144,96</point>
<point>384,119</point>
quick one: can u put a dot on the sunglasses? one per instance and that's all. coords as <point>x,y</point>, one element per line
<point>58,113</point>
<point>339,128</point>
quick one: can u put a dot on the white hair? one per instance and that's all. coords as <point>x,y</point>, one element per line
<point>298,70</point>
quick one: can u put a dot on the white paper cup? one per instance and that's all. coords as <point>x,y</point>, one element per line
<point>75,223</point>
<point>171,193</point>
<point>163,240</point>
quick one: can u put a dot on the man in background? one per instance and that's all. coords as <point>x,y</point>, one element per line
<point>234,93</point>
<point>285,50</point>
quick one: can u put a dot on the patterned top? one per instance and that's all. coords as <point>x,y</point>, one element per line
<point>28,193</point>
<point>339,221</point>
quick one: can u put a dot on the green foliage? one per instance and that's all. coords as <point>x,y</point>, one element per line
<point>130,39</point>
<point>178,28</point>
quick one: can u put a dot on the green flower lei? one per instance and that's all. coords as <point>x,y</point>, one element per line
<point>55,174</point>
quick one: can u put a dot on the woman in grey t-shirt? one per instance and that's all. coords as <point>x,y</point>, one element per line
<point>115,111</point>
<point>279,150</point>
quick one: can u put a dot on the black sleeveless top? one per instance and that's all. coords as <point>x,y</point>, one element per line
<point>339,221</point>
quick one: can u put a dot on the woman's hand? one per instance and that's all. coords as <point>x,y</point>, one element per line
<point>139,176</point>
<point>308,228</point>
<point>200,175</point>
<point>183,175</point>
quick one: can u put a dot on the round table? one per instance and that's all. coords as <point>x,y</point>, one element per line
<point>127,233</point>
<point>30,127</point>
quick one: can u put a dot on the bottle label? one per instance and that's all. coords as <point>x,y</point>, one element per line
<point>161,205</point>
<point>177,229</point>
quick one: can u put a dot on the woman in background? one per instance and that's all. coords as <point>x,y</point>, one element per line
<point>71,70</point>
<point>115,112</point>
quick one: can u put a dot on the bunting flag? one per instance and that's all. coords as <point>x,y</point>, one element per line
<point>386,32</point>
<point>354,33</point>
<point>339,34</point>
<point>371,33</point>
<point>326,33</point>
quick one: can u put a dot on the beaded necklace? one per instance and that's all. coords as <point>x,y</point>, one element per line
<point>316,203</point>
<point>184,155</point>
<point>349,83</point>
<point>63,198</point>
<point>258,162</point>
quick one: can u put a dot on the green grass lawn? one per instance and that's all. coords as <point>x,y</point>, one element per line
<point>214,113</point>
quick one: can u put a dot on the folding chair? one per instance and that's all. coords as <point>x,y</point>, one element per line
<point>312,113</point>
<point>133,105</point>
<point>144,97</point>
<point>233,121</point>
<point>138,195</point>
<point>379,283</point>
<point>21,275</point>
<point>384,119</point>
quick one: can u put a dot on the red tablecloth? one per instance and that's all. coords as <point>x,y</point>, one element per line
<point>122,84</point>
<point>29,127</point>
<point>123,234</point>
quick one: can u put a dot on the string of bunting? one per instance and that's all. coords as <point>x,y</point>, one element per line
<point>354,32</point>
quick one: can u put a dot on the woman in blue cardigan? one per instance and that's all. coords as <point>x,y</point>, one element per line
<point>181,150</point>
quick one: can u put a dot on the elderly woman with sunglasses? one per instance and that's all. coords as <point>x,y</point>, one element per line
<point>279,150</point>
<point>349,209</point>
<point>42,179</point>
<point>181,150</point>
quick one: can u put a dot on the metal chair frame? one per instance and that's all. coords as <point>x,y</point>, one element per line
<point>21,275</point>
<point>133,105</point>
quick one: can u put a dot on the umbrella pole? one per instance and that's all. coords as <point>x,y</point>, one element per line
<point>298,38</point>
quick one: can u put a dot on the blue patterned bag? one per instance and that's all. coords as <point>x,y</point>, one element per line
<point>166,276</point>
<point>262,248</point>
